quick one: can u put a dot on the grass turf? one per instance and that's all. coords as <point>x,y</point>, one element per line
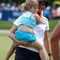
<point>5,42</point>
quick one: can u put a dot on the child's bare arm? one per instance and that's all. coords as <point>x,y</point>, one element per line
<point>38,18</point>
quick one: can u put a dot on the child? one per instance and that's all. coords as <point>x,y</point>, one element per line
<point>24,32</point>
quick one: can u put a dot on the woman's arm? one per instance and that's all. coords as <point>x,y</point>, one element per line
<point>11,35</point>
<point>47,44</point>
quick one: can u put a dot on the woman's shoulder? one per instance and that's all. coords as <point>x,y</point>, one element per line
<point>45,19</point>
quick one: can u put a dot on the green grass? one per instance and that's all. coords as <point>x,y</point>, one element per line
<point>8,25</point>
<point>5,42</point>
<point>5,24</point>
<point>52,23</point>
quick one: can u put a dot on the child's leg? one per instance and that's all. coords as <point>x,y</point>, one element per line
<point>37,44</point>
<point>10,51</point>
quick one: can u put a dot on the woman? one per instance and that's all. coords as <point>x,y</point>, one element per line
<point>26,25</point>
<point>55,37</point>
<point>24,53</point>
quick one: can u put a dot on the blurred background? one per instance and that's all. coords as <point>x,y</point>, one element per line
<point>10,9</point>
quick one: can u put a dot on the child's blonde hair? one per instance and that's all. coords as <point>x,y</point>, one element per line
<point>28,4</point>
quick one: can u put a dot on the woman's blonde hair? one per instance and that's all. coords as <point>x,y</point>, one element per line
<point>28,4</point>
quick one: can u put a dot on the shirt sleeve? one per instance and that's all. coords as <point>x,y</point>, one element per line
<point>17,21</point>
<point>47,24</point>
<point>47,27</point>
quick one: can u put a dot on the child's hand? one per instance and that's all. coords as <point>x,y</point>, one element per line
<point>41,13</point>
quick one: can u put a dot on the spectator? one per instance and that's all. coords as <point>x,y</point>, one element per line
<point>58,11</point>
<point>47,12</point>
<point>7,7</point>
<point>13,7</point>
<point>54,13</point>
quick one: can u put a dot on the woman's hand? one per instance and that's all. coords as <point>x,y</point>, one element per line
<point>24,43</point>
<point>50,58</point>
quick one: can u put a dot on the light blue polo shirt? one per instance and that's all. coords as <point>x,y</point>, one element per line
<point>27,19</point>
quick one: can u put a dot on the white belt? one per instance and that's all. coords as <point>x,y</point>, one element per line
<point>29,48</point>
